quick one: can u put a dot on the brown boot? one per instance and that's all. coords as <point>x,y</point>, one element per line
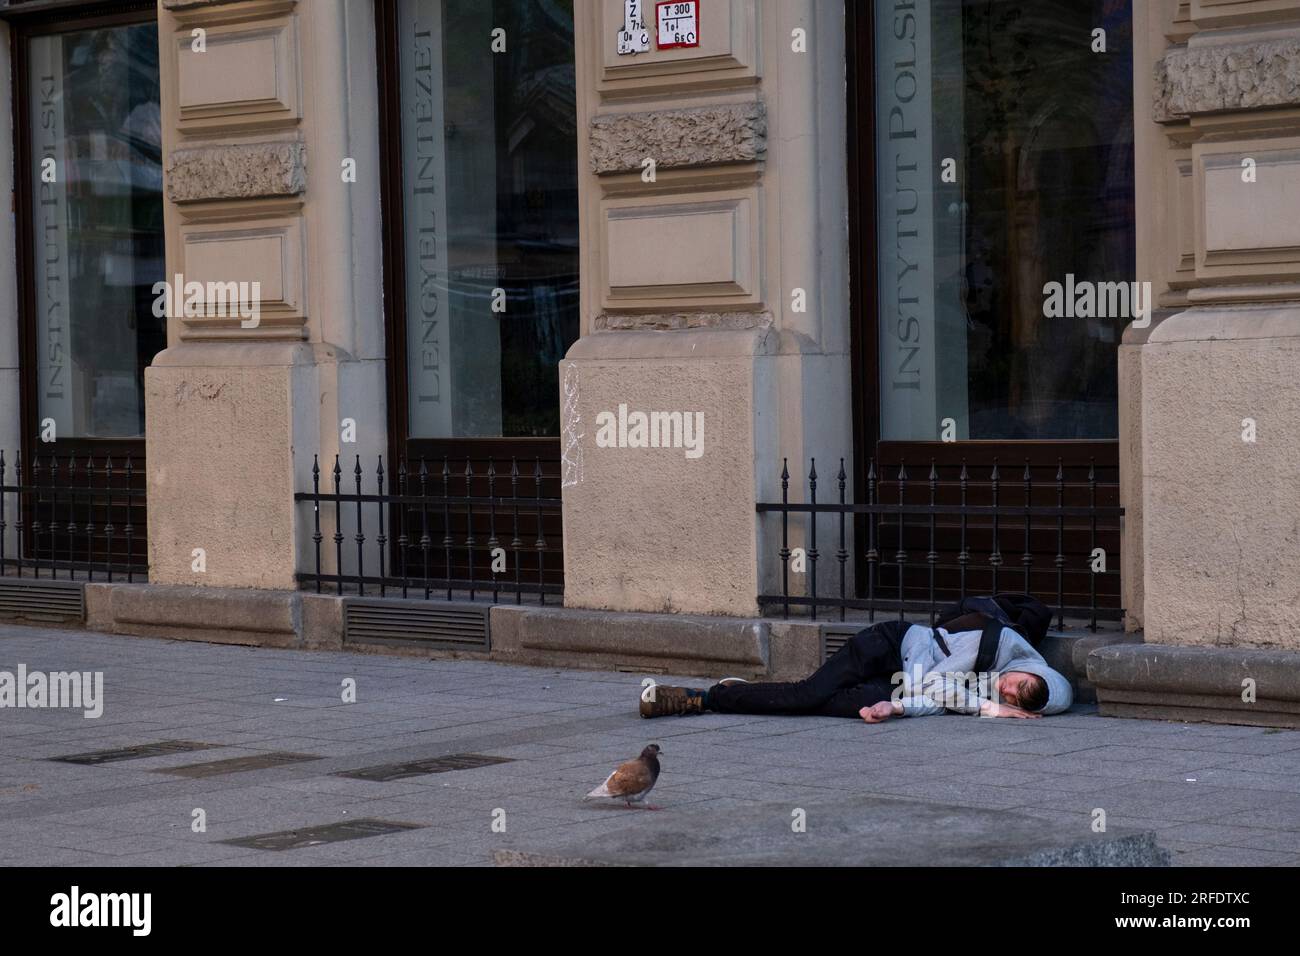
<point>661,700</point>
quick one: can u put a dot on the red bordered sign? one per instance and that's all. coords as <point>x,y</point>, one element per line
<point>678,23</point>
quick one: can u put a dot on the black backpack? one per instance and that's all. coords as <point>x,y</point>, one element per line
<point>1024,614</point>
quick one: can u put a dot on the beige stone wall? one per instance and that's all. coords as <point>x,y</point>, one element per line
<point>256,128</point>
<point>1218,153</point>
<point>687,286</point>
<point>688,291</point>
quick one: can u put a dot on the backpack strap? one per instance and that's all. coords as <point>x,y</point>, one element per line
<point>943,645</point>
<point>988,652</point>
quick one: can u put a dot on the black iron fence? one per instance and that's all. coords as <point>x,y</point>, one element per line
<point>451,529</point>
<point>915,545</point>
<point>73,518</point>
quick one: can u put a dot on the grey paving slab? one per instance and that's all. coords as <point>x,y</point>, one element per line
<point>1276,783</point>
<point>1284,818</point>
<point>1215,794</point>
<point>1235,856</point>
<point>1257,838</point>
<point>1287,763</point>
<point>845,831</point>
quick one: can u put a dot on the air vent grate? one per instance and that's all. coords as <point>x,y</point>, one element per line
<point>438,624</point>
<point>833,638</point>
<point>420,768</point>
<point>45,601</point>
<point>315,836</point>
<point>215,768</point>
<point>161,748</point>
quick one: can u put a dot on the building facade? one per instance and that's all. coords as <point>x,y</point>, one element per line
<point>678,335</point>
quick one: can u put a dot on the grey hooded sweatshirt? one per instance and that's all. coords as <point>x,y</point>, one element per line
<point>933,682</point>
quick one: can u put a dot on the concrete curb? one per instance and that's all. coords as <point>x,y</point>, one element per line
<point>1207,684</point>
<point>217,615</point>
<point>610,640</point>
<point>1067,652</point>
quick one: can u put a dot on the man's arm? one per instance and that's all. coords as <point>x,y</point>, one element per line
<point>957,692</point>
<point>904,707</point>
<point>992,708</point>
<point>941,694</point>
<point>938,695</point>
<point>879,713</point>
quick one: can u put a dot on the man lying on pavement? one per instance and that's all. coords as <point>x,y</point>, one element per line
<point>893,669</point>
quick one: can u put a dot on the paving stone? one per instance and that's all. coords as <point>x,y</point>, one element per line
<point>1235,856</point>
<point>956,794</point>
<point>864,831</point>
<point>1266,817</point>
<point>1283,763</point>
<point>1215,834</point>
<point>1278,784</point>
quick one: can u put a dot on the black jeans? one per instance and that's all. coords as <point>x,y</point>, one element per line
<point>858,675</point>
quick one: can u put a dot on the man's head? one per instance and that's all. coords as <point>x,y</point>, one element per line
<point>1024,690</point>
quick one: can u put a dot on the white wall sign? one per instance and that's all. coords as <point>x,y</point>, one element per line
<point>679,23</point>
<point>424,154</point>
<point>59,387</point>
<point>634,37</point>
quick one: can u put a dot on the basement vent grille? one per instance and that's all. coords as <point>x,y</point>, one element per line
<point>437,624</point>
<point>833,638</point>
<point>47,601</point>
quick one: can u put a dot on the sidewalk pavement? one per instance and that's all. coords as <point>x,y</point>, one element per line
<point>1213,795</point>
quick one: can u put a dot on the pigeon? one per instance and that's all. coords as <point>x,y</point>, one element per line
<point>632,781</point>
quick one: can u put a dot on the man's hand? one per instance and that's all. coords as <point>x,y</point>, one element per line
<point>991,708</point>
<point>878,713</point>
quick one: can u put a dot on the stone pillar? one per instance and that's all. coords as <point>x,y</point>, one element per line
<point>258,119</point>
<point>1218,154</point>
<point>1163,234</point>
<point>714,283</point>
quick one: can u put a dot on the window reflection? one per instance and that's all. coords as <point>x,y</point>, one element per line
<point>489,170</point>
<point>97,177</point>
<point>1036,125</point>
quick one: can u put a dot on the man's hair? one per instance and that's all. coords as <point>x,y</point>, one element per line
<point>1033,695</point>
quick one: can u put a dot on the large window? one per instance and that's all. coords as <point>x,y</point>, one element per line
<point>96,248</point>
<point>1004,163</point>
<point>489,206</point>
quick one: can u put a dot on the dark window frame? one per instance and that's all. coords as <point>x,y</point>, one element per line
<point>459,450</point>
<point>393,232</point>
<point>28,19</point>
<point>864,337</point>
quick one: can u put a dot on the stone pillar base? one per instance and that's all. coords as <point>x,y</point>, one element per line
<point>225,447</point>
<point>666,529</point>
<point>1221,478</point>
